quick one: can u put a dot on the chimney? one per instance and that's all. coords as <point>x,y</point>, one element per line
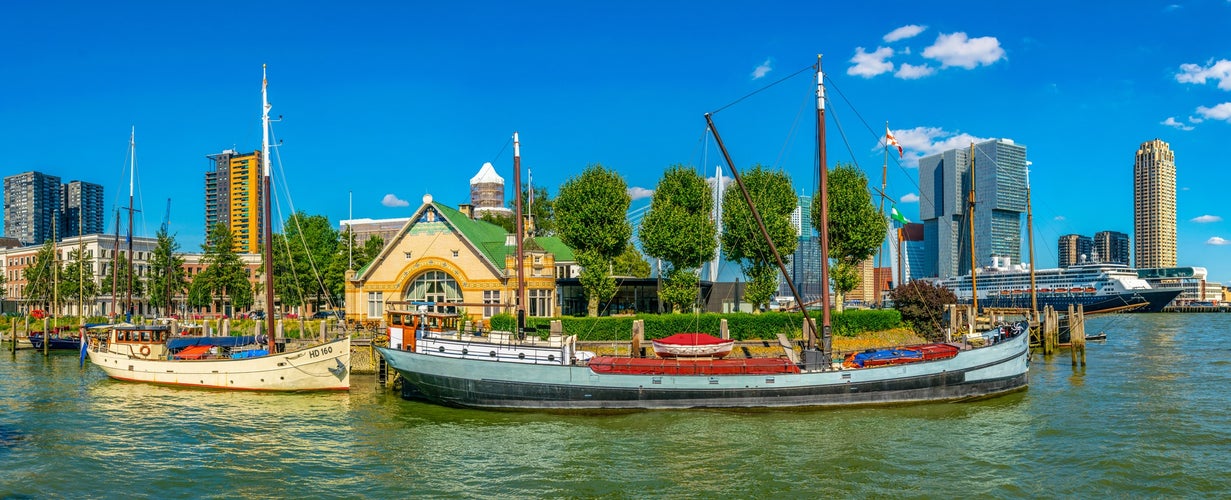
<point>467,209</point>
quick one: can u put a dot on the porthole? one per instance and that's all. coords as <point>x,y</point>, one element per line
<point>492,354</point>
<point>521,355</point>
<point>465,351</point>
<point>442,348</point>
<point>551,357</point>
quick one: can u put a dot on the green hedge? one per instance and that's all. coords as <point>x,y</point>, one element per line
<point>741,326</point>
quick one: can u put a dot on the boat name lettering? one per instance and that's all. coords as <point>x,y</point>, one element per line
<point>316,353</point>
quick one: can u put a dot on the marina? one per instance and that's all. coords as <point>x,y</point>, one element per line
<point>1146,417</point>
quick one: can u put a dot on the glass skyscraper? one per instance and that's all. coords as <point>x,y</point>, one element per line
<point>1000,200</point>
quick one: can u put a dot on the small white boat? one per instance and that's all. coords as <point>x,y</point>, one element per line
<point>692,345</point>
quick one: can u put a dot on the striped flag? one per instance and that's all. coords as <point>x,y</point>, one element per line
<point>890,140</point>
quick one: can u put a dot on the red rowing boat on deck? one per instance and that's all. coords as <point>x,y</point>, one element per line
<point>692,345</point>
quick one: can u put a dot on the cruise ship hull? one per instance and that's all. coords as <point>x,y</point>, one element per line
<point>1155,300</point>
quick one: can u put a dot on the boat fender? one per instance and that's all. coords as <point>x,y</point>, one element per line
<point>145,350</point>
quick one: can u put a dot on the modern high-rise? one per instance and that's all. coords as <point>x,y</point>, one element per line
<point>1000,200</point>
<point>83,208</point>
<point>31,203</point>
<point>913,251</point>
<point>233,197</point>
<point>1154,215</point>
<point>1074,249</point>
<point>1111,246</point>
<point>804,268</point>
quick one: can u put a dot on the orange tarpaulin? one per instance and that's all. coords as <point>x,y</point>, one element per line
<point>194,352</point>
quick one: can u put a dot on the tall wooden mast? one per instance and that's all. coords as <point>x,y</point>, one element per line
<point>823,180</point>
<point>519,228</point>
<point>970,215</point>
<point>266,229</point>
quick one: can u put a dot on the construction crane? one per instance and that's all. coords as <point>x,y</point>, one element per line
<point>166,219</point>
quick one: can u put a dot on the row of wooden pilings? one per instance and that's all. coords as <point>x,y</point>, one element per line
<point>1045,330</point>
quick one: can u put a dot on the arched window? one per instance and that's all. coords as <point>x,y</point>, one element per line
<point>434,286</point>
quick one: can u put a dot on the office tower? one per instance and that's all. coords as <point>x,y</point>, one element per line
<point>1000,201</point>
<point>31,203</point>
<point>804,268</point>
<point>1074,249</point>
<point>1154,217</point>
<point>913,250</point>
<point>83,209</point>
<point>233,190</point>
<point>1111,246</point>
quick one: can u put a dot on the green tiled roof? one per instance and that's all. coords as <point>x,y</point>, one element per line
<point>490,238</point>
<point>487,237</point>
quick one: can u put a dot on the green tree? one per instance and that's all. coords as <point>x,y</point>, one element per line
<point>77,283</point>
<point>921,303</point>
<point>679,230</point>
<point>630,263</point>
<point>39,277</point>
<point>591,218</point>
<point>742,241</point>
<point>122,270</point>
<point>856,228</point>
<point>225,277</point>
<point>167,277</point>
<point>301,258</point>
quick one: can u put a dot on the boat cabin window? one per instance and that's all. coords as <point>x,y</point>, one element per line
<point>395,319</point>
<point>145,336</point>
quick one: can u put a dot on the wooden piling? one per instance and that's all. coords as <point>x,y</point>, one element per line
<point>726,334</point>
<point>1077,335</point>
<point>638,337</point>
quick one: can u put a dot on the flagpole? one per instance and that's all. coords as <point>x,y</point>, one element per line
<point>881,250</point>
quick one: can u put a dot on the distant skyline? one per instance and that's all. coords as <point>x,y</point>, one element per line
<point>385,102</point>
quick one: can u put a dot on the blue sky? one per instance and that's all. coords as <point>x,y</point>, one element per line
<point>384,102</point>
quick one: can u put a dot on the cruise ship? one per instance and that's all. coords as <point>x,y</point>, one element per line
<point>1099,287</point>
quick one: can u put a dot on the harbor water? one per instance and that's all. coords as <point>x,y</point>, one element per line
<point>1148,416</point>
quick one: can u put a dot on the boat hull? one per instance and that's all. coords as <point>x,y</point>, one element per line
<point>315,368</point>
<point>974,373</point>
<point>1154,300</point>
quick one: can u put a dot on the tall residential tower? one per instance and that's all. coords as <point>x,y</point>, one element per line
<point>1154,213</point>
<point>233,197</point>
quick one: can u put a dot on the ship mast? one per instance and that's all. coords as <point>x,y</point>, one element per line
<point>132,173</point>
<point>970,215</point>
<point>1034,297</point>
<point>823,170</point>
<point>518,227</point>
<point>266,230</point>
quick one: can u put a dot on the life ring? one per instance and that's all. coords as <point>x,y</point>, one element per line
<point>145,350</point>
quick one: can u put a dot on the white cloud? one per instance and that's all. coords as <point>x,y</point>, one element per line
<point>923,141</point>
<point>1171,122</point>
<point>638,193</point>
<point>1197,119</point>
<point>909,198</point>
<point>904,32</point>
<point>762,70</point>
<point>958,50</point>
<point>390,200</point>
<point>1195,73</point>
<point>1219,112</point>
<point>1215,240</point>
<point>1058,218</point>
<point>912,72</point>
<point>1205,219</point>
<point>870,64</point>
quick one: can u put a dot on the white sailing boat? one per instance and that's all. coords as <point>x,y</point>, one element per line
<point>156,354</point>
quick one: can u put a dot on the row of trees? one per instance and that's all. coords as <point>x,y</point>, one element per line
<point>310,262</point>
<point>589,215</point>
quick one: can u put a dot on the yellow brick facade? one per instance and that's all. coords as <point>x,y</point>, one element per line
<point>430,243</point>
